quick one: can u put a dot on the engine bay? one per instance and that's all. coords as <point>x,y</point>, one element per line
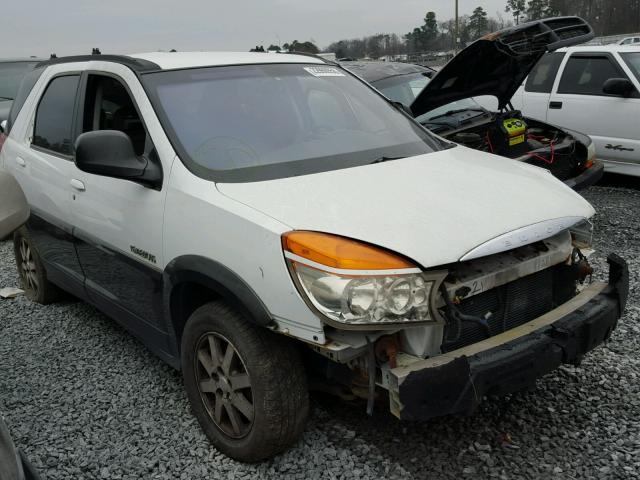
<point>511,135</point>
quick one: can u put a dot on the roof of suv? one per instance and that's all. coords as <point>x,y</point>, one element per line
<point>602,48</point>
<point>177,60</point>
<point>173,60</point>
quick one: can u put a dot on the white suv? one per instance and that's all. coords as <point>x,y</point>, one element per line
<point>258,219</point>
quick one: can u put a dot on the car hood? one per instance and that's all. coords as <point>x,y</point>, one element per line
<point>498,63</point>
<point>434,208</point>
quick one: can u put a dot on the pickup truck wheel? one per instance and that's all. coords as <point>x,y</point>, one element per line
<point>246,385</point>
<point>33,276</point>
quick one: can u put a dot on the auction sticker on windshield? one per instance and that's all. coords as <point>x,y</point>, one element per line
<point>324,71</point>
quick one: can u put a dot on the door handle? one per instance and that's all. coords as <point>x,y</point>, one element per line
<point>555,105</point>
<point>77,184</point>
<point>20,161</point>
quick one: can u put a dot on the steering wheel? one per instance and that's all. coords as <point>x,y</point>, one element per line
<point>228,152</point>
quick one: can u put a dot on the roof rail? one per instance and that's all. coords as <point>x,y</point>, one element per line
<point>136,64</point>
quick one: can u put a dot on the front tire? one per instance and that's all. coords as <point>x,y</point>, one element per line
<point>246,385</point>
<point>33,276</point>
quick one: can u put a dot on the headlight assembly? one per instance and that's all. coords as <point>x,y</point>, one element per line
<point>354,284</point>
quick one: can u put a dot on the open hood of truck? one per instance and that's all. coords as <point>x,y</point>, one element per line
<point>498,63</point>
<point>436,208</point>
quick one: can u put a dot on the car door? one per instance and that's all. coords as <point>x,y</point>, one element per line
<point>578,102</point>
<point>118,223</point>
<point>41,159</point>
<point>535,94</point>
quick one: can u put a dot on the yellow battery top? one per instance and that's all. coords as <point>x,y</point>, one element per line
<point>515,129</point>
<point>514,126</point>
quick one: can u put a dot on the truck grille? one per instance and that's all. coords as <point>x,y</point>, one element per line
<point>510,305</point>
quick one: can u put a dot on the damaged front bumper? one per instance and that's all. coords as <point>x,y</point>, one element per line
<point>457,381</point>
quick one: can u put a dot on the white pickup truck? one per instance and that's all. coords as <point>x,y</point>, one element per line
<point>591,89</point>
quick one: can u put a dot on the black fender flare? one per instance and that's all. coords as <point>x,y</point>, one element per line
<point>219,279</point>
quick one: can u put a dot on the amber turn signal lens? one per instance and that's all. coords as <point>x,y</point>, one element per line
<point>339,252</point>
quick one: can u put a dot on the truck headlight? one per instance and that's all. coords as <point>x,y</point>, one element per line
<point>356,284</point>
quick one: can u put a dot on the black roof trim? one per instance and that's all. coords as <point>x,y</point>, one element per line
<point>136,64</point>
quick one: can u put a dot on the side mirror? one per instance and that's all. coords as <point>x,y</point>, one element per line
<point>110,153</point>
<point>621,87</point>
<point>3,126</point>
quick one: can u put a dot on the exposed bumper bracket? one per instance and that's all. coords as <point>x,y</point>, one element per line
<point>457,381</point>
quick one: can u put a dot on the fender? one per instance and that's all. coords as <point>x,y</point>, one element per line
<point>14,209</point>
<point>219,279</point>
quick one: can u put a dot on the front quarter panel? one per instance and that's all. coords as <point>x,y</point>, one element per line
<point>200,221</point>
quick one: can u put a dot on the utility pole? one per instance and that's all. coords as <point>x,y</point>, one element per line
<point>457,39</point>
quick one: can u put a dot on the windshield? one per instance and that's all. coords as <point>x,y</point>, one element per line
<point>257,122</point>
<point>405,89</point>
<point>11,74</point>
<point>632,59</point>
<point>402,88</point>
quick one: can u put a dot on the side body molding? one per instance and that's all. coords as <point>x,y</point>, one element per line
<point>217,278</point>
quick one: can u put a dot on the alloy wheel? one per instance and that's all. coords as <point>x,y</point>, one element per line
<point>28,267</point>
<point>224,385</point>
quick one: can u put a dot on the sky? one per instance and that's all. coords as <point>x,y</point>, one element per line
<point>66,27</point>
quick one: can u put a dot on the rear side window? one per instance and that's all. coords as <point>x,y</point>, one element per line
<point>54,117</point>
<point>586,75</point>
<point>11,74</point>
<point>26,86</point>
<point>541,78</point>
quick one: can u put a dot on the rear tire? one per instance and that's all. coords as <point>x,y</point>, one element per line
<point>33,276</point>
<point>246,385</point>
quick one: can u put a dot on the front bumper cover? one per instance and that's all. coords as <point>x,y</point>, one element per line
<point>587,178</point>
<point>457,381</point>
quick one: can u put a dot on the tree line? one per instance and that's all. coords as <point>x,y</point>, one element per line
<point>608,17</point>
<point>295,46</point>
<point>432,35</point>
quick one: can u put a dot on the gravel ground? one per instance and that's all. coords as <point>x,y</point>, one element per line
<point>85,400</point>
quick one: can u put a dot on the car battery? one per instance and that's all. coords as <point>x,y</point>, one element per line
<point>514,130</point>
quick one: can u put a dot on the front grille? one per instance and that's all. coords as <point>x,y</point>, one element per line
<point>510,305</point>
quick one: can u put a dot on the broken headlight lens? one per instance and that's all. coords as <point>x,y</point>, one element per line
<point>363,294</point>
<point>582,234</point>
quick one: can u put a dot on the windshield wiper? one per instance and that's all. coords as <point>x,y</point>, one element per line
<point>460,110</point>
<point>401,106</point>
<point>440,124</point>
<point>6,98</point>
<point>386,159</point>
